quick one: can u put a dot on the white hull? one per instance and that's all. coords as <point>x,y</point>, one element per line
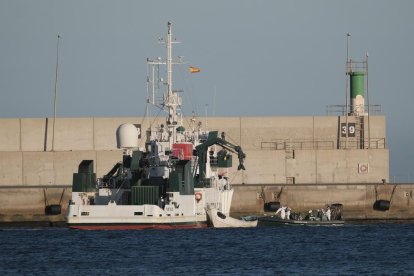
<point>226,221</point>
<point>186,212</point>
<point>118,215</point>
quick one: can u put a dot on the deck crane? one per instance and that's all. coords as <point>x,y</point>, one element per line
<point>213,139</point>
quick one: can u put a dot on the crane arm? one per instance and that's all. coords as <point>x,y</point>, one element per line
<point>213,139</point>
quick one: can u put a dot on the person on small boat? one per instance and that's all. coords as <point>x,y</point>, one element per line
<point>328,213</point>
<point>310,215</point>
<point>295,216</point>
<point>288,212</point>
<point>282,211</point>
<point>319,213</point>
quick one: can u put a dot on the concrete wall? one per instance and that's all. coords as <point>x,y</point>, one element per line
<point>263,167</point>
<point>28,203</point>
<point>74,134</point>
<point>51,168</point>
<point>26,155</point>
<point>306,149</point>
<point>358,200</point>
<point>10,138</point>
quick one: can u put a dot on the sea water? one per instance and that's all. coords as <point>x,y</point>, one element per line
<point>377,249</point>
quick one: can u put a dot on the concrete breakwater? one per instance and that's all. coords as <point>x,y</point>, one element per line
<point>304,162</point>
<point>27,204</point>
<point>357,199</point>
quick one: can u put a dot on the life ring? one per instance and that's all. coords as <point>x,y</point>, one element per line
<point>363,168</point>
<point>198,196</point>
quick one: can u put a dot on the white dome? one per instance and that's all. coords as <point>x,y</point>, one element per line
<point>127,136</point>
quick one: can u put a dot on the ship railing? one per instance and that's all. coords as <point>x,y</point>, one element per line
<point>220,184</point>
<point>104,184</point>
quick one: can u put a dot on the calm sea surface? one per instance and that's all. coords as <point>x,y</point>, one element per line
<point>378,249</point>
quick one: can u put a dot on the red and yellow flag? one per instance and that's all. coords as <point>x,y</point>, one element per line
<point>194,69</point>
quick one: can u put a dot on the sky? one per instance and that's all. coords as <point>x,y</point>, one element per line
<point>257,58</point>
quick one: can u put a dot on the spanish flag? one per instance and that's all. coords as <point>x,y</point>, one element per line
<point>194,69</point>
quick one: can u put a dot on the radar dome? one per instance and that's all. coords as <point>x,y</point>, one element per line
<point>127,136</point>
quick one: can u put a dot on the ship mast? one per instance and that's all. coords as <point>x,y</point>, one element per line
<point>172,100</point>
<point>169,60</point>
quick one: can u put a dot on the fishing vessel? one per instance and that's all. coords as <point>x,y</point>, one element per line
<point>168,184</point>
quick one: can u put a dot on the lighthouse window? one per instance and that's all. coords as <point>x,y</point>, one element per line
<point>84,213</point>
